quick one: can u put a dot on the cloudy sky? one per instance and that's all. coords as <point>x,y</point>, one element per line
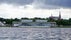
<point>34,8</point>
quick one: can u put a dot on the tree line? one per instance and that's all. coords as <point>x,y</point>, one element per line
<point>58,22</point>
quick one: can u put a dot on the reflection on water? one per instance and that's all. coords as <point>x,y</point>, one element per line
<point>35,34</point>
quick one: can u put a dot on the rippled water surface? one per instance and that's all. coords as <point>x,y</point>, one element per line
<point>35,33</point>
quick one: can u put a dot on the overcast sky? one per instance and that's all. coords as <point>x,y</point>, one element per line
<point>34,8</point>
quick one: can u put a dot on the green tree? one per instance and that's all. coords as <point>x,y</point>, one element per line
<point>16,19</point>
<point>25,18</point>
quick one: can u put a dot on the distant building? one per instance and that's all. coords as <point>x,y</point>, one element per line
<point>55,18</point>
<point>16,23</point>
<point>37,22</point>
<point>26,20</point>
<point>2,24</point>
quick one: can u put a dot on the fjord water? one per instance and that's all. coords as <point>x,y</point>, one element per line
<point>7,33</point>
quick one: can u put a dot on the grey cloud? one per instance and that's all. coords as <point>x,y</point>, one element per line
<point>41,3</point>
<point>54,3</point>
<point>63,3</point>
<point>18,2</point>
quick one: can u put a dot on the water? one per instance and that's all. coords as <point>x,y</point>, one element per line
<point>35,33</point>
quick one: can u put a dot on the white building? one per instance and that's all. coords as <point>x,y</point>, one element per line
<point>26,20</point>
<point>36,23</point>
<point>16,23</point>
<point>38,20</point>
<point>2,24</point>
